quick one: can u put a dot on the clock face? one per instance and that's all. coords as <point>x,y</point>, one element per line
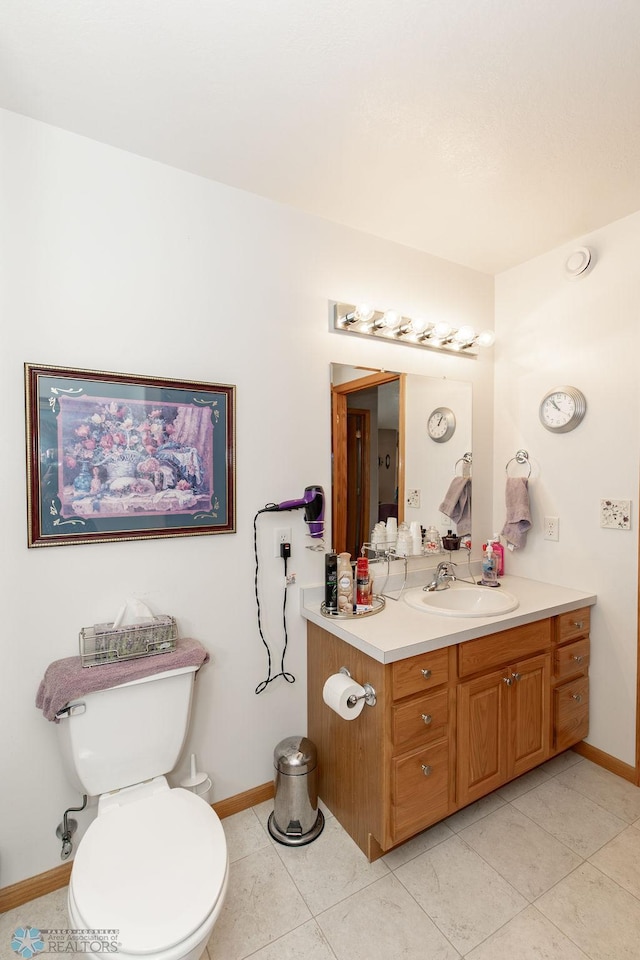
<point>441,424</point>
<point>562,409</point>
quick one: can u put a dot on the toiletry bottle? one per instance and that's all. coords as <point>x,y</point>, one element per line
<point>489,567</point>
<point>345,584</point>
<point>364,600</point>
<point>432,540</point>
<point>331,582</point>
<point>498,549</point>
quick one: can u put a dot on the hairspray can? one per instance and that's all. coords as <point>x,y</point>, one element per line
<point>331,582</point>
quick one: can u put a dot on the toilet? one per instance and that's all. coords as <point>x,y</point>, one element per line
<point>153,865</point>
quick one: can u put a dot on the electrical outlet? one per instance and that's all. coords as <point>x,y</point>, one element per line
<point>281,535</point>
<point>551,528</point>
<point>413,498</point>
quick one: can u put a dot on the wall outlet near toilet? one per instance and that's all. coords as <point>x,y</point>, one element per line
<point>551,528</point>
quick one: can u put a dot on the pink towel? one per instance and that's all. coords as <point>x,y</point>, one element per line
<point>67,679</point>
<point>518,520</point>
<point>457,505</point>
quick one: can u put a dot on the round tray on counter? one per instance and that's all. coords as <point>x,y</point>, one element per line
<point>378,607</point>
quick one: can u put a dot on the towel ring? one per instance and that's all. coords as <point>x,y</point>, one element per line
<point>521,457</point>
<point>467,459</point>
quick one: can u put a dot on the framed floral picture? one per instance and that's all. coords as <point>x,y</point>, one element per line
<point>114,456</point>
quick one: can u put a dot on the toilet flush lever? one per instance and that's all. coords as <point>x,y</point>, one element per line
<point>71,710</point>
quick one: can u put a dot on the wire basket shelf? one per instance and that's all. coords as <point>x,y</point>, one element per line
<point>102,643</point>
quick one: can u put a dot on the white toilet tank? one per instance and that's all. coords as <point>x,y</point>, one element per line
<point>128,733</point>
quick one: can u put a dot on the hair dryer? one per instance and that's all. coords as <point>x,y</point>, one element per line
<point>313,504</point>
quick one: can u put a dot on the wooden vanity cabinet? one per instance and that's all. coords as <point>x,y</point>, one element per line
<point>449,726</point>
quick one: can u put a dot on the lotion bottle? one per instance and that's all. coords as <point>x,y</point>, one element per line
<point>498,549</point>
<point>489,568</point>
<point>345,584</point>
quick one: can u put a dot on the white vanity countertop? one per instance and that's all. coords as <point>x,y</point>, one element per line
<point>401,631</point>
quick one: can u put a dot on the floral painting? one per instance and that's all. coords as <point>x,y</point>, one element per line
<point>112,456</point>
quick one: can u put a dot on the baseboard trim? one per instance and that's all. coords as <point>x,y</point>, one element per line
<point>242,801</point>
<point>605,760</point>
<point>33,887</point>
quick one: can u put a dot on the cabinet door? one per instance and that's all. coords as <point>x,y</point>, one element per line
<point>529,715</point>
<point>482,741</point>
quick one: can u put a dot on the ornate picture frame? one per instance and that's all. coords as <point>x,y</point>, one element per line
<point>114,456</point>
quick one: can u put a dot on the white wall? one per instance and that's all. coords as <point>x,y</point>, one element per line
<point>551,331</point>
<point>113,262</point>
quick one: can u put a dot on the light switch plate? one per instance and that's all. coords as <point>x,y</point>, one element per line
<point>615,514</point>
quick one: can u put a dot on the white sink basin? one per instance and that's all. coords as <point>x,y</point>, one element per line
<point>463,600</point>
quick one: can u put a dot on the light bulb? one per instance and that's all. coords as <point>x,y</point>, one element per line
<point>364,312</point>
<point>391,319</point>
<point>419,325</point>
<point>465,334</point>
<point>442,329</point>
<point>487,338</point>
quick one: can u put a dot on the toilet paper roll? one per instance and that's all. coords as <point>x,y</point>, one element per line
<point>336,692</point>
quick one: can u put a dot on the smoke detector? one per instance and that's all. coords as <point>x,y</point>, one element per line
<point>578,263</point>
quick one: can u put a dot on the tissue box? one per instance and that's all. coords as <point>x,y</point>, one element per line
<point>102,644</point>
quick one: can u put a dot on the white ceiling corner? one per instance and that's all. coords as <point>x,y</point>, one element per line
<point>481,131</point>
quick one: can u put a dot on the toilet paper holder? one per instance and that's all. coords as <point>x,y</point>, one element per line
<point>369,695</point>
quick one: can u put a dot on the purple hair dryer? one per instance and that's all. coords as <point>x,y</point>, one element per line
<point>313,503</point>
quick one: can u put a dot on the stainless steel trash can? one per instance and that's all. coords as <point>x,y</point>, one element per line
<point>296,819</point>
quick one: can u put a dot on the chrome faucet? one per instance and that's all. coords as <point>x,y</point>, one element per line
<point>444,576</point>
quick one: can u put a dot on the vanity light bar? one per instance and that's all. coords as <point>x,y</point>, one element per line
<point>364,320</point>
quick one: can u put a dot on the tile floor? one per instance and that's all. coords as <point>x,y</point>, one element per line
<point>547,868</point>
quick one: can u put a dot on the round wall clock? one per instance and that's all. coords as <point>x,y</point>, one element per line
<point>562,409</point>
<point>441,424</point>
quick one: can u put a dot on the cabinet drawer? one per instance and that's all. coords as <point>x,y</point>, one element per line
<point>574,624</point>
<point>420,789</point>
<point>571,712</point>
<point>420,720</point>
<point>417,674</point>
<point>571,659</point>
<point>503,648</point>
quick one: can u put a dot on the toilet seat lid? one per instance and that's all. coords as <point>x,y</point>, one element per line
<point>153,870</point>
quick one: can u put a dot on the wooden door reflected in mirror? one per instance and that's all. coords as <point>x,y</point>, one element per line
<point>368,458</point>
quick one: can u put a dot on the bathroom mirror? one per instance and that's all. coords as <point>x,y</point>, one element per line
<point>382,449</point>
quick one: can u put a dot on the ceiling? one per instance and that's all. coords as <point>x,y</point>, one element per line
<point>482,131</point>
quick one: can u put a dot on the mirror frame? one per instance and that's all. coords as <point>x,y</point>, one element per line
<point>339,394</point>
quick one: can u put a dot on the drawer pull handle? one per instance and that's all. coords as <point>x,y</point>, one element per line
<point>426,769</point>
<point>427,718</point>
<point>517,676</point>
<point>577,697</point>
<point>426,674</point>
<point>579,624</point>
<point>508,681</point>
<point>578,658</point>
